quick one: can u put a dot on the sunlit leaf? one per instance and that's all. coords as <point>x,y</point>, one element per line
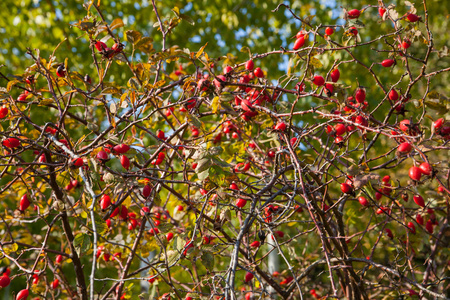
<point>117,23</point>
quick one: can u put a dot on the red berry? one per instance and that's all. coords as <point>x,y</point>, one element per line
<point>234,186</point>
<point>381,11</point>
<point>11,143</point>
<point>299,43</point>
<point>241,202</point>
<point>293,141</point>
<point>105,201</point>
<point>125,162</point>
<point>195,132</point>
<point>160,134</point>
<point>425,168</point>
<point>121,149</point>
<point>180,208</point>
<point>361,121</point>
<point>281,233</point>
<point>169,236</point>
<point>218,82</point>
<point>248,277</point>
<point>117,47</point>
<point>346,188</point>
<point>335,74</point>
<point>59,259</point>
<point>438,123</point>
<point>338,140</point>
<point>429,226</point>
<point>412,18</point>
<point>329,31</point>
<point>386,178</point>
<point>405,125</point>
<point>22,295</point>
<point>102,156</point>
<point>388,63</point>
<point>404,147</point>
<point>255,244</point>
<point>227,70</point>
<point>146,191</point>
<point>123,213</point>
<point>340,129</point>
<point>100,46</point>
<point>412,227</point>
<point>258,73</point>
<point>389,233</point>
<point>77,162</point>
<point>300,87</point>
<point>281,126</point>
<point>363,201</point>
<point>153,231</point>
<point>203,84</point>
<point>300,34</point>
<point>415,173</point>
<point>353,14</point>
<point>352,31</point>
<point>329,88</point>
<point>318,80</point>
<point>382,210</point>
<point>55,284</point>
<point>4,280</point>
<point>406,43</point>
<point>115,212</point>
<point>419,200</point>
<point>360,95</point>
<point>24,203</point>
<point>22,97</point>
<point>419,219</point>
<point>3,112</point>
<point>249,65</point>
<point>393,95</point>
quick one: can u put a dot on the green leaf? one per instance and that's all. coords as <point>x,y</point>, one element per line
<point>208,260</point>
<point>63,179</point>
<point>195,121</point>
<point>437,102</point>
<point>187,19</point>
<point>82,242</point>
<point>100,225</point>
<point>203,175</point>
<point>202,165</point>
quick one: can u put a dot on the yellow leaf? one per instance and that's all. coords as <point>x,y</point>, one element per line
<point>215,105</point>
<point>11,84</point>
<point>200,51</point>
<point>127,202</point>
<point>10,248</point>
<point>117,23</point>
<point>122,98</point>
<point>315,62</point>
